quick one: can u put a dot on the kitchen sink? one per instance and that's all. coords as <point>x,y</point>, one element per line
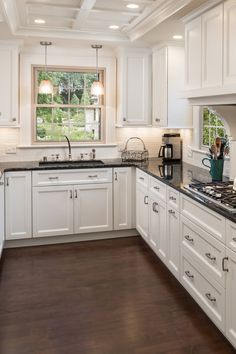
<point>68,163</point>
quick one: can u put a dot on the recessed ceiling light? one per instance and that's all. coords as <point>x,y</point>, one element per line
<point>132,6</point>
<point>39,21</point>
<point>114,27</point>
<point>177,36</point>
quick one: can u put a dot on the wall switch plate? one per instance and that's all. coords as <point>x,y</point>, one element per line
<point>11,150</point>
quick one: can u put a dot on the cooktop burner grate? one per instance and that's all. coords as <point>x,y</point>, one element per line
<point>220,193</point>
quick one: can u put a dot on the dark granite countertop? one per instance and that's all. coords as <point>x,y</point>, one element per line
<point>179,175</point>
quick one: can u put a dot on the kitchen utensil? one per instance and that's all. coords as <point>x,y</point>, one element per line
<point>213,150</point>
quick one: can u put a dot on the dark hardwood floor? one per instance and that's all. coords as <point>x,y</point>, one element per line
<point>99,297</point>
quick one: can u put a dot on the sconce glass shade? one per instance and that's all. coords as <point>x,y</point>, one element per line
<point>97,88</point>
<point>46,87</point>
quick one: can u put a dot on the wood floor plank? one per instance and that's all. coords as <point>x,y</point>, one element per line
<point>98,297</point>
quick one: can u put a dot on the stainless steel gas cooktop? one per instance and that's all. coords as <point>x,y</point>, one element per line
<point>219,193</point>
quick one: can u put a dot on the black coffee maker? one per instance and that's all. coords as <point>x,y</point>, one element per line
<point>166,151</point>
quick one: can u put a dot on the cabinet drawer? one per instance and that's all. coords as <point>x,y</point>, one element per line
<point>207,293</point>
<point>55,177</point>
<point>210,221</point>
<point>231,235</point>
<point>157,188</point>
<point>173,198</point>
<point>204,248</point>
<point>142,178</point>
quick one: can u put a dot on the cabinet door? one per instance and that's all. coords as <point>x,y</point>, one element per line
<point>93,208</point>
<point>212,51</point>
<point>122,198</point>
<point>18,205</point>
<point>8,85</point>
<point>230,298</point>
<point>2,228</point>
<point>229,42</point>
<point>193,54</point>
<point>173,236</point>
<point>52,211</point>
<point>162,247</point>
<point>134,84</point>
<point>160,88</point>
<point>142,211</point>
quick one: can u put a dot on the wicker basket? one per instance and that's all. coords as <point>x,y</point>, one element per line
<point>134,155</point>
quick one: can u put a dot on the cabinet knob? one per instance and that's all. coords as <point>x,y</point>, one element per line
<point>157,120</point>
<point>124,119</point>
<point>14,119</point>
<point>234,239</point>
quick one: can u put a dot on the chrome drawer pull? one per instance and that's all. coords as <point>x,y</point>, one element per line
<point>157,188</point>
<point>212,258</point>
<point>210,298</point>
<point>71,195</point>
<point>234,239</point>
<point>189,275</point>
<point>188,238</point>
<point>171,211</point>
<point>93,176</point>
<point>116,179</point>
<point>146,199</point>
<point>142,179</point>
<point>154,205</point>
<point>172,198</point>
<point>53,178</point>
<point>223,264</point>
<point>76,193</point>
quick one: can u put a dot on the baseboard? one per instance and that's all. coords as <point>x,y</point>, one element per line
<point>69,238</point>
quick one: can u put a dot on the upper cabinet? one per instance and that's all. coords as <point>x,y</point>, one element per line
<point>133,87</point>
<point>8,84</point>
<point>229,77</point>
<point>169,110</point>
<point>210,49</point>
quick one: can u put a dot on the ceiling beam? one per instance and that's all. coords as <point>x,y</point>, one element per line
<point>83,13</point>
<point>54,5</point>
<point>117,12</point>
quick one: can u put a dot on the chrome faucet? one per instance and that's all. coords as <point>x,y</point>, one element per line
<point>69,148</point>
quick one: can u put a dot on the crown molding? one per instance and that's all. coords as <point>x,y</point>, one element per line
<point>160,12</point>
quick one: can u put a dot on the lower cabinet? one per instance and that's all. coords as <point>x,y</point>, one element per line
<point>2,213</point>
<point>18,222</point>
<point>173,237</point>
<point>52,211</point>
<point>64,210</point>
<point>124,198</point>
<point>93,208</point>
<point>231,296</point>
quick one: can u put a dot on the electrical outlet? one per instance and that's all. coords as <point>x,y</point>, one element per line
<point>190,151</point>
<point>11,150</point>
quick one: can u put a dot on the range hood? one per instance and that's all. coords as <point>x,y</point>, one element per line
<point>225,99</point>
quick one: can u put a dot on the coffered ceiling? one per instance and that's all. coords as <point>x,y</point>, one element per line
<point>88,19</point>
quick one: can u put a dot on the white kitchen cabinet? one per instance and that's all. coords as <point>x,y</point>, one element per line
<point>142,202</point>
<point>230,297</point>
<point>193,54</point>
<point>18,205</point>
<point>169,110</point>
<point>212,47</point>
<point>124,198</point>
<point>133,87</point>
<point>9,90</point>
<point>93,208</point>
<point>2,212</point>
<point>229,78</point>
<point>52,211</point>
<point>173,240</point>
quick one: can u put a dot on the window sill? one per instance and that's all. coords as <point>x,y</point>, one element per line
<point>58,146</point>
<point>204,152</point>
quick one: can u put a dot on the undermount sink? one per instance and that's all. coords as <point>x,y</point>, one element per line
<point>71,163</point>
